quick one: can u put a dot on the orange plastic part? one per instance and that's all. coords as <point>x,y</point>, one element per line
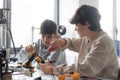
<point>61,77</point>
<point>75,76</point>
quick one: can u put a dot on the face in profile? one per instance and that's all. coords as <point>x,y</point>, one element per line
<point>82,30</point>
<point>47,39</point>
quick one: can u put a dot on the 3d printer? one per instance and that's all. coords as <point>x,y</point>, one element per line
<point>5,73</point>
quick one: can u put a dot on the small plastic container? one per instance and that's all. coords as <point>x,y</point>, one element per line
<point>61,77</point>
<point>75,76</point>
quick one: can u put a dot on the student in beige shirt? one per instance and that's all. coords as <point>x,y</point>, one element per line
<point>97,53</point>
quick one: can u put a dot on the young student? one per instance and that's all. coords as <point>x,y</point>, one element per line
<point>48,31</point>
<point>97,53</point>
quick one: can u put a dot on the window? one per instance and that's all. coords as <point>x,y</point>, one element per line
<point>67,9</point>
<point>106,16</point>
<point>118,19</point>
<point>27,14</point>
<point>1,3</point>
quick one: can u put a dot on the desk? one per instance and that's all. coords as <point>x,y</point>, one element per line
<point>36,74</point>
<point>39,73</point>
<point>18,76</point>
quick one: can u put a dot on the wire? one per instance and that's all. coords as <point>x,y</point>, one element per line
<point>12,41</point>
<point>10,35</point>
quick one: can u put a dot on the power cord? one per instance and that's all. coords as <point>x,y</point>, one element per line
<point>12,41</point>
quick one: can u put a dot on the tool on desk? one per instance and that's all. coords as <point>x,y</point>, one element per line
<point>52,61</point>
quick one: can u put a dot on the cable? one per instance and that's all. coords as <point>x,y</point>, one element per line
<point>10,35</point>
<point>12,41</point>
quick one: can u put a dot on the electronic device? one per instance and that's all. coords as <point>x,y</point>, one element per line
<point>5,73</point>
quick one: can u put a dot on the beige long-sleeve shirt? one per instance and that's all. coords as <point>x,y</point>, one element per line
<point>97,58</point>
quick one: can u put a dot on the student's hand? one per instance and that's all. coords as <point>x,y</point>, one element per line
<point>47,62</point>
<point>30,49</point>
<point>46,67</point>
<point>56,44</point>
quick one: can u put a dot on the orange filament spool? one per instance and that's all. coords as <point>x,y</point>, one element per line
<point>61,77</point>
<point>75,76</point>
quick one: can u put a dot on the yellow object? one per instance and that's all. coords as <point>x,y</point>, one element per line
<point>26,65</point>
<point>74,76</point>
<point>37,58</point>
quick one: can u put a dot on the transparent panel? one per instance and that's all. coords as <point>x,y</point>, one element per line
<point>67,9</point>
<point>118,19</point>
<point>1,4</point>
<point>27,14</point>
<point>106,11</point>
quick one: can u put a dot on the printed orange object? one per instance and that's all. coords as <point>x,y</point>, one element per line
<point>75,76</point>
<point>61,77</point>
